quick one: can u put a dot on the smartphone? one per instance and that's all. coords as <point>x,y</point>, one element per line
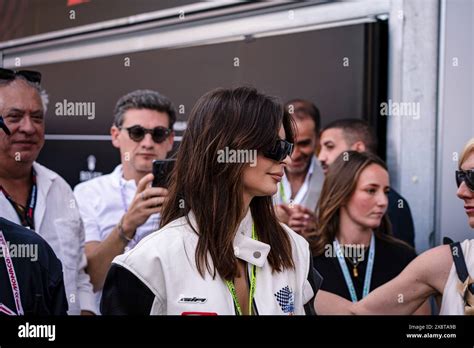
<point>161,171</point>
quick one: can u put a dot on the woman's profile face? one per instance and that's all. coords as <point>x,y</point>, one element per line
<point>369,201</point>
<point>465,194</point>
<point>263,177</point>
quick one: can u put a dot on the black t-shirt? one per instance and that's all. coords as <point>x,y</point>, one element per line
<point>38,271</point>
<point>389,260</point>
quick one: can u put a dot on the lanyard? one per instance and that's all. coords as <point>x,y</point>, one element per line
<point>13,280</point>
<point>26,216</point>
<point>345,270</point>
<point>253,284</point>
<point>282,193</point>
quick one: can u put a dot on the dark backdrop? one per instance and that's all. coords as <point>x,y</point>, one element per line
<point>307,65</point>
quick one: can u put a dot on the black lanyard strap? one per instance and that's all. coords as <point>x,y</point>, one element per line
<point>25,214</point>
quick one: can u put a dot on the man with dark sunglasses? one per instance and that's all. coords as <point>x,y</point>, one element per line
<point>32,195</point>
<point>121,208</point>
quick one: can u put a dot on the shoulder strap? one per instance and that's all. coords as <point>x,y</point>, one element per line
<point>459,261</point>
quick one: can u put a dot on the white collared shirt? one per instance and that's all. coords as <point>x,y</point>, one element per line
<point>164,262</point>
<point>302,192</point>
<point>102,203</point>
<point>308,194</point>
<point>57,220</point>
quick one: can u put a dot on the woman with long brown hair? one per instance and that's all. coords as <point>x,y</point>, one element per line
<point>353,248</point>
<point>445,271</point>
<point>221,249</point>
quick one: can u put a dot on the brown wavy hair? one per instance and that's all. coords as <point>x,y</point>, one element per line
<point>240,118</point>
<point>339,185</point>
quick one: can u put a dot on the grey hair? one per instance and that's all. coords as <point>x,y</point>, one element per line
<point>41,91</point>
<point>144,99</point>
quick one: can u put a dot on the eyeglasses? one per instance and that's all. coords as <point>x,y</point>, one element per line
<point>467,176</point>
<point>137,133</point>
<point>4,126</point>
<point>30,75</point>
<point>279,150</point>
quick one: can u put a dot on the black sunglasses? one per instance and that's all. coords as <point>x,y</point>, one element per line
<point>158,134</point>
<point>279,150</point>
<point>467,176</point>
<point>30,75</point>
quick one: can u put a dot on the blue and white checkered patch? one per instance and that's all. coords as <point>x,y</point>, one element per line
<point>286,300</point>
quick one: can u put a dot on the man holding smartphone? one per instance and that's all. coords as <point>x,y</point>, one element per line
<point>120,208</point>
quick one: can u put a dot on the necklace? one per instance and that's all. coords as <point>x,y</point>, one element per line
<point>354,262</point>
<point>354,258</point>
<point>345,269</point>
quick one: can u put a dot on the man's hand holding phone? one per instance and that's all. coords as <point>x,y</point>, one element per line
<point>147,201</point>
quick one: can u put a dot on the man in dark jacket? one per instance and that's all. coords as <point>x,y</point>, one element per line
<point>30,274</point>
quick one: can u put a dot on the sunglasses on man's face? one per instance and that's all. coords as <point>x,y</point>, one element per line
<point>279,150</point>
<point>158,134</point>
<point>467,176</point>
<point>30,75</point>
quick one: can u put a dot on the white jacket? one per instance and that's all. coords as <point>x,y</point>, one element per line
<point>57,220</point>
<point>162,273</point>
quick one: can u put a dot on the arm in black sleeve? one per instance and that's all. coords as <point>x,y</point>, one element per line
<point>54,293</point>
<point>58,301</point>
<point>315,279</point>
<point>125,294</point>
<point>401,218</point>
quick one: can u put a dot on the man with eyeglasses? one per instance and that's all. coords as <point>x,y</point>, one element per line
<point>33,196</point>
<point>121,208</point>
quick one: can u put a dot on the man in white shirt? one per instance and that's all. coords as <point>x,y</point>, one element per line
<point>34,196</point>
<point>299,190</point>
<point>120,208</point>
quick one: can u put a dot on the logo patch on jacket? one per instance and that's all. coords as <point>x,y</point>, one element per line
<point>286,300</point>
<point>198,300</point>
